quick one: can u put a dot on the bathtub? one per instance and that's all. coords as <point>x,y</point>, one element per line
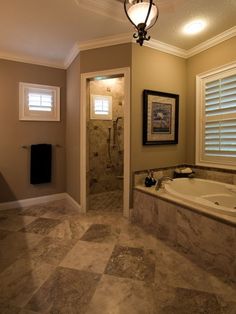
<point>219,197</point>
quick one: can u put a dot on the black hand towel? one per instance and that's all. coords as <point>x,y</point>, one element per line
<point>41,163</point>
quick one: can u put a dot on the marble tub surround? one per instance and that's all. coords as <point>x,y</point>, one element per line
<point>162,194</point>
<point>201,172</point>
<point>208,242</point>
<point>100,263</point>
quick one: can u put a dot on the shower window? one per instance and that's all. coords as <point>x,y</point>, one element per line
<point>216,118</point>
<point>101,107</point>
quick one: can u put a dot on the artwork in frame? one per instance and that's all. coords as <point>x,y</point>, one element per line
<point>160,118</point>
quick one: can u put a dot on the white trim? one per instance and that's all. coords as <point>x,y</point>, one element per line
<point>72,55</point>
<point>161,46</point>
<point>40,200</point>
<point>216,40</point>
<point>32,60</point>
<point>106,41</point>
<point>121,39</point>
<point>33,201</point>
<point>83,165</point>
<point>200,123</point>
<point>73,202</point>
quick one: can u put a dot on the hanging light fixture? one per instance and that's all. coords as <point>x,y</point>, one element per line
<point>143,14</point>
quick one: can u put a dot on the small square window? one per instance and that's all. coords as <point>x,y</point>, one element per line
<point>39,102</point>
<point>101,107</point>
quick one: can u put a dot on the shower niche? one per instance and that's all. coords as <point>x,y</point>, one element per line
<point>105,144</point>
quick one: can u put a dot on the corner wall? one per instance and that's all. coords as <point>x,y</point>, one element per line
<point>158,71</point>
<point>15,161</point>
<point>93,60</point>
<point>207,60</point>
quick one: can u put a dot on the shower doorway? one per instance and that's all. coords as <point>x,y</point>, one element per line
<point>105,139</point>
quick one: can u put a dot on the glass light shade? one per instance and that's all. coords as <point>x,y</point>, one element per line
<point>138,13</point>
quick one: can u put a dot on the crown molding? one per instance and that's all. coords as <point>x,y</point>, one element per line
<point>229,33</point>
<point>106,41</point>
<point>121,39</point>
<point>30,60</point>
<point>159,45</point>
<point>72,55</point>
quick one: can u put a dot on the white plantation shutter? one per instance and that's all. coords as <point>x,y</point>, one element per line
<point>220,117</point>
<point>39,102</point>
<point>216,117</point>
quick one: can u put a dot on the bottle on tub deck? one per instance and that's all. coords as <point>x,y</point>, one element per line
<point>150,180</point>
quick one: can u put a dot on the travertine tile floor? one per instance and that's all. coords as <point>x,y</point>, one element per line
<point>53,260</point>
<point>111,201</point>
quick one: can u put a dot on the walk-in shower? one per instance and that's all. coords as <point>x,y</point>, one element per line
<point>105,144</point>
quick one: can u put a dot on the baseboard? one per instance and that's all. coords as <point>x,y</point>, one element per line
<point>33,201</point>
<point>73,202</point>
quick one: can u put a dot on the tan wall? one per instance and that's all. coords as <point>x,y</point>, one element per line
<point>88,61</point>
<point>14,161</point>
<point>73,130</point>
<point>214,57</point>
<point>106,58</point>
<point>156,71</point>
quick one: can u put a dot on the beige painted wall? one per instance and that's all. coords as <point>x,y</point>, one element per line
<point>73,130</point>
<point>212,58</point>
<point>88,61</point>
<point>156,71</point>
<point>14,161</point>
<point>106,58</point>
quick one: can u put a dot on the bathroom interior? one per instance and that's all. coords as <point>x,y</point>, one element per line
<point>162,248</point>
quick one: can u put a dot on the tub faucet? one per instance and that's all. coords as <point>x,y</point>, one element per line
<point>161,180</point>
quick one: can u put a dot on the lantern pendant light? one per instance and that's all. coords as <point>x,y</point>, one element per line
<point>143,14</point>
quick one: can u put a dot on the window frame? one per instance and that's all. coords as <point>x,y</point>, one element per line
<point>93,115</point>
<point>200,156</point>
<point>25,114</point>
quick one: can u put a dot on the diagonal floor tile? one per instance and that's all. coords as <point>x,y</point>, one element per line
<point>185,301</point>
<point>41,226</point>
<point>88,256</point>
<point>20,280</point>
<point>14,222</point>
<point>133,263</point>
<point>100,233</point>
<point>49,250</point>
<point>15,244</point>
<point>70,229</point>
<point>66,291</point>
<point>123,296</point>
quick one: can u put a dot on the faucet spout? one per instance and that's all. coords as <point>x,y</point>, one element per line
<point>160,182</point>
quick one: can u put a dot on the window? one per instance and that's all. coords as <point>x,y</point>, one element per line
<point>39,102</point>
<point>101,107</point>
<point>216,118</point>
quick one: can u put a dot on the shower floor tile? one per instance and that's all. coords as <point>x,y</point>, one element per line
<point>107,201</point>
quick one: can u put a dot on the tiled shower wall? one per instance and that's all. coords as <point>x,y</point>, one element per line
<point>105,158</point>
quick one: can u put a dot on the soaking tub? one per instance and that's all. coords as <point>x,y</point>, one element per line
<point>219,197</point>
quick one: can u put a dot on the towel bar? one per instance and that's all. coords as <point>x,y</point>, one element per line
<point>28,146</point>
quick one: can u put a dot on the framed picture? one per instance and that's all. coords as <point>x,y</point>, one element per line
<point>160,118</point>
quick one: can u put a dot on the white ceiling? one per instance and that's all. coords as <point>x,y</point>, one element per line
<point>47,30</point>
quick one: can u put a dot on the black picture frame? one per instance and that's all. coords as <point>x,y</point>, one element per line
<point>160,118</point>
